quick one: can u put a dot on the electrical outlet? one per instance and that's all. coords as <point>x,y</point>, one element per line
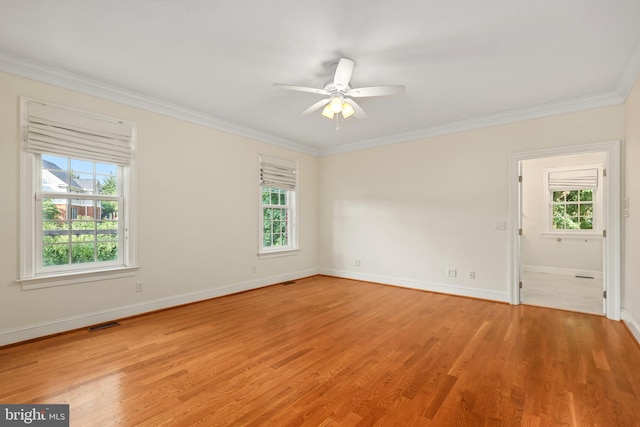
<point>472,275</point>
<point>357,263</point>
<point>452,272</point>
<point>253,269</point>
<point>138,286</point>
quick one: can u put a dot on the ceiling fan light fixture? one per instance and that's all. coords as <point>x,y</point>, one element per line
<point>347,110</point>
<point>327,112</point>
<point>336,104</point>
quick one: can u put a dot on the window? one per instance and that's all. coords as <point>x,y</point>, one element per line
<point>278,183</point>
<point>572,210</point>
<point>76,195</point>
<point>573,200</point>
<point>80,223</point>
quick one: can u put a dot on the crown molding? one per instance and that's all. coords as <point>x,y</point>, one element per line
<point>67,80</point>
<point>603,99</point>
<point>62,78</point>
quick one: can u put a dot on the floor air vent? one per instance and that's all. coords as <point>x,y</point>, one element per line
<point>102,326</point>
<point>290,282</point>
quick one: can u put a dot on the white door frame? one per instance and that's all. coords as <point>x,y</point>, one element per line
<point>611,210</point>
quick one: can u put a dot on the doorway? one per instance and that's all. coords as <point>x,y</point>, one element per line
<point>610,217</point>
<point>561,247</point>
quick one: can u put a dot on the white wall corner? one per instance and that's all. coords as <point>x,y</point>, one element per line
<point>632,324</point>
<point>39,330</point>
<point>631,73</point>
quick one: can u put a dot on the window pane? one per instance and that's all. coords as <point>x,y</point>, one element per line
<point>558,196</point>
<point>55,255</point>
<point>586,210</point>
<point>54,175</point>
<point>572,210</point>
<point>107,210</point>
<point>572,196</point>
<point>83,183</point>
<point>82,252</point>
<point>107,184</point>
<point>558,210</point>
<point>275,198</point>
<point>108,251</point>
<point>81,166</point>
<point>108,230</point>
<point>586,195</point>
<point>266,196</point>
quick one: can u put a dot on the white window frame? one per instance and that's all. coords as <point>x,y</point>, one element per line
<point>598,220</point>
<point>32,275</point>
<point>292,207</point>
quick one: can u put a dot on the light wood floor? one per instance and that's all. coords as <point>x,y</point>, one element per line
<point>329,352</point>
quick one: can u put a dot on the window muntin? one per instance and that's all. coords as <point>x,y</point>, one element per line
<point>79,225</point>
<point>277,205</point>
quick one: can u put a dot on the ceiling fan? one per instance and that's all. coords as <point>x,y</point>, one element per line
<point>340,94</point>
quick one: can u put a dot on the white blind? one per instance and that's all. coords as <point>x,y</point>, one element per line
<point>276,172</point>
<point>58,130</point>
<point>574,179</point>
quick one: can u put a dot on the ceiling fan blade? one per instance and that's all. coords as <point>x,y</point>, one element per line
<point>359,114</point>
<point>344,70</point>
<point>315,107</point>
<point>301,88</point>
<point>376,91</point>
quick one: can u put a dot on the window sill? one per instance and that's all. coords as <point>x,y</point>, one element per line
<point>577,235</point>
<point>275,254</point>
<point>72,278</point>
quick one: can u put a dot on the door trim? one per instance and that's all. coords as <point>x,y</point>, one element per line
<point>611,210</point>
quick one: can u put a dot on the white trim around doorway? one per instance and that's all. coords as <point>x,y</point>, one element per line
<point>612,245</point>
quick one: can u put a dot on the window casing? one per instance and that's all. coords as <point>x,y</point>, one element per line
<point>77,196</point>
<point>573,201</point>
<point>278,226</point>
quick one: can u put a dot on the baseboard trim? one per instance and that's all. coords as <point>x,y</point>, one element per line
<point>632,324</point>
<point>419,284</point>
<point>563,271</point>
<point>39,330</point>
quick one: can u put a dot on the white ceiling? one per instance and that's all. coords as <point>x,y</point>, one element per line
<point>465,63</point>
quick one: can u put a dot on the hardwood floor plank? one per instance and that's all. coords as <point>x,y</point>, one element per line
<point>327,352</point>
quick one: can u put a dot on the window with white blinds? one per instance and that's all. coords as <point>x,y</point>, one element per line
<point>278,187</point>
<point>77,195</point>
<point>573,200</point>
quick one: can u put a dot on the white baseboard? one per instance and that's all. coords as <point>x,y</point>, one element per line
<point>38,330</point>
<point>564,271</point>
<point>632,324</point>
<point>419,284</point>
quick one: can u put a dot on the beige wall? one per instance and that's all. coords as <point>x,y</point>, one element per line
<point>184,254</point>
<point>409,212</point>
<point>631,250</point>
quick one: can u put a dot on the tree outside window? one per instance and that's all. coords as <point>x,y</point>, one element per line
<point>573,210</point>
